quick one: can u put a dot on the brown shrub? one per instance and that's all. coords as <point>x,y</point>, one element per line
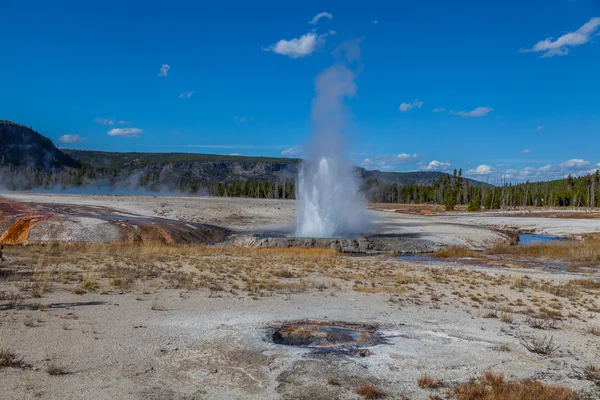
<point>370,392</point>
<point>456,252</point>
<point>495,387</point>
<point>428,382</point>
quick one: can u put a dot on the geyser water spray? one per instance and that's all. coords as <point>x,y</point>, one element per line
<point>328,200</point>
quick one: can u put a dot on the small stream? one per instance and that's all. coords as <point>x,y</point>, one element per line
<point>536,238</point>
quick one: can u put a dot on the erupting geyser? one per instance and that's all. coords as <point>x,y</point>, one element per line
<point>329,203</point>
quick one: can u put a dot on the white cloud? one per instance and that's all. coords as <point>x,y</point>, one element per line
<point>234,154</point>
<point>575,163</point>
<point>404,107</point>
<point>317,17</point>
<point>560,46</point>
<point>436,165</point>
<point>389,162</point>
<point>575,167</point>
<point>299,47</point>
<point>186,95</point>
<point>291,151</point>
<point>437,110</point>
<point>481,170</point>
<point>540,127</point>
<point>122,122</point>
<point>478,112</point>
<point>526,151</point>
<point>408,158</point>
<point>164,70</point>
<point>374,21</point>
<point>105,121</point>
<point>71,139</point>
<point>125,132</point>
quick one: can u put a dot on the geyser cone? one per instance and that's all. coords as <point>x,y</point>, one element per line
<point>329,202</point>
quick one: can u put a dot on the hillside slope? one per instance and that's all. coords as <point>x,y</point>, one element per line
<point>211,167</point>
<point>23,147</point>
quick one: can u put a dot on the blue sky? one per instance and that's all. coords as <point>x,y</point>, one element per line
<point>496,88</point>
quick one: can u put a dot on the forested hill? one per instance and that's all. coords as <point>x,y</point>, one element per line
<point>214,167</point>
<point>32,161</point>
<point>21,146</point>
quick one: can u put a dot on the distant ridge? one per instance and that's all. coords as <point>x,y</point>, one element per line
<point>23,146</point>
<point>35,162</point>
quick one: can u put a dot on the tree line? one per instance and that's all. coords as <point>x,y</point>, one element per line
<point>583,191</point>
<point>450,190</point>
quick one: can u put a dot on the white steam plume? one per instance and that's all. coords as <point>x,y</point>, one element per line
<point>329,202</point>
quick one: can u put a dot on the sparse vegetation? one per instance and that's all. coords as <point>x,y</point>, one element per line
<point>456,252</point>
<point>428,382</point>
<point>503,348</point>
<point>370,392</point>
<point>492,386</point>
<point>54,369</point>
<point>333,381</point>
<point>591,372</point>
<point>586,250</point>
<point>544,345</point>
<point>8,359</point>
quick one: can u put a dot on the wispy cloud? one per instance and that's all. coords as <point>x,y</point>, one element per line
<point>526,151</point>
<point>105,121</point>
<point>233,146</point>
<point>390,162</point>
<point>374,21</point>
<point>71,139</point>
<point>164,70</point>
<point>292,151</point>
<point>317,17</point>
<point>436,165</point>
<point>186,95</point>
<point>110,121</point>
<point>540,127</point>
<point>575,163</point>
<point>404,107</point>
<point>561,46</point>
<point>575,167</point>
<point>125,132</point>
<point>438,110</point>
<point>298,47</point>
<point>478,112</point>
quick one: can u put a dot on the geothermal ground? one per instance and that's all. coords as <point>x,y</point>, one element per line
<point>177,298</point>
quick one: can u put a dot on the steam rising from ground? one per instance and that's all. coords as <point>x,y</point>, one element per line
<point>329,202</point>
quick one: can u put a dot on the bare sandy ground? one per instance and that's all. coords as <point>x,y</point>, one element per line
<point>195,345</point>
<point>428,233</point>
<point>548,226</point>
<point>157,338</point>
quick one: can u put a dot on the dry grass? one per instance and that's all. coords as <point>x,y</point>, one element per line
<point>540,345</point>
<point>541,323</point>
<point>370,392</point>
<point>593,330</point>
<point>224,271</point>
<point>9,359</point>
<point>503,348</point>
<point>55,369</point>
<point>428,382</point>
<point>456,252</point>
<point>586,250</point>
<point>495,387</point>
<point>333,381</point>
<point>592,373</point>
